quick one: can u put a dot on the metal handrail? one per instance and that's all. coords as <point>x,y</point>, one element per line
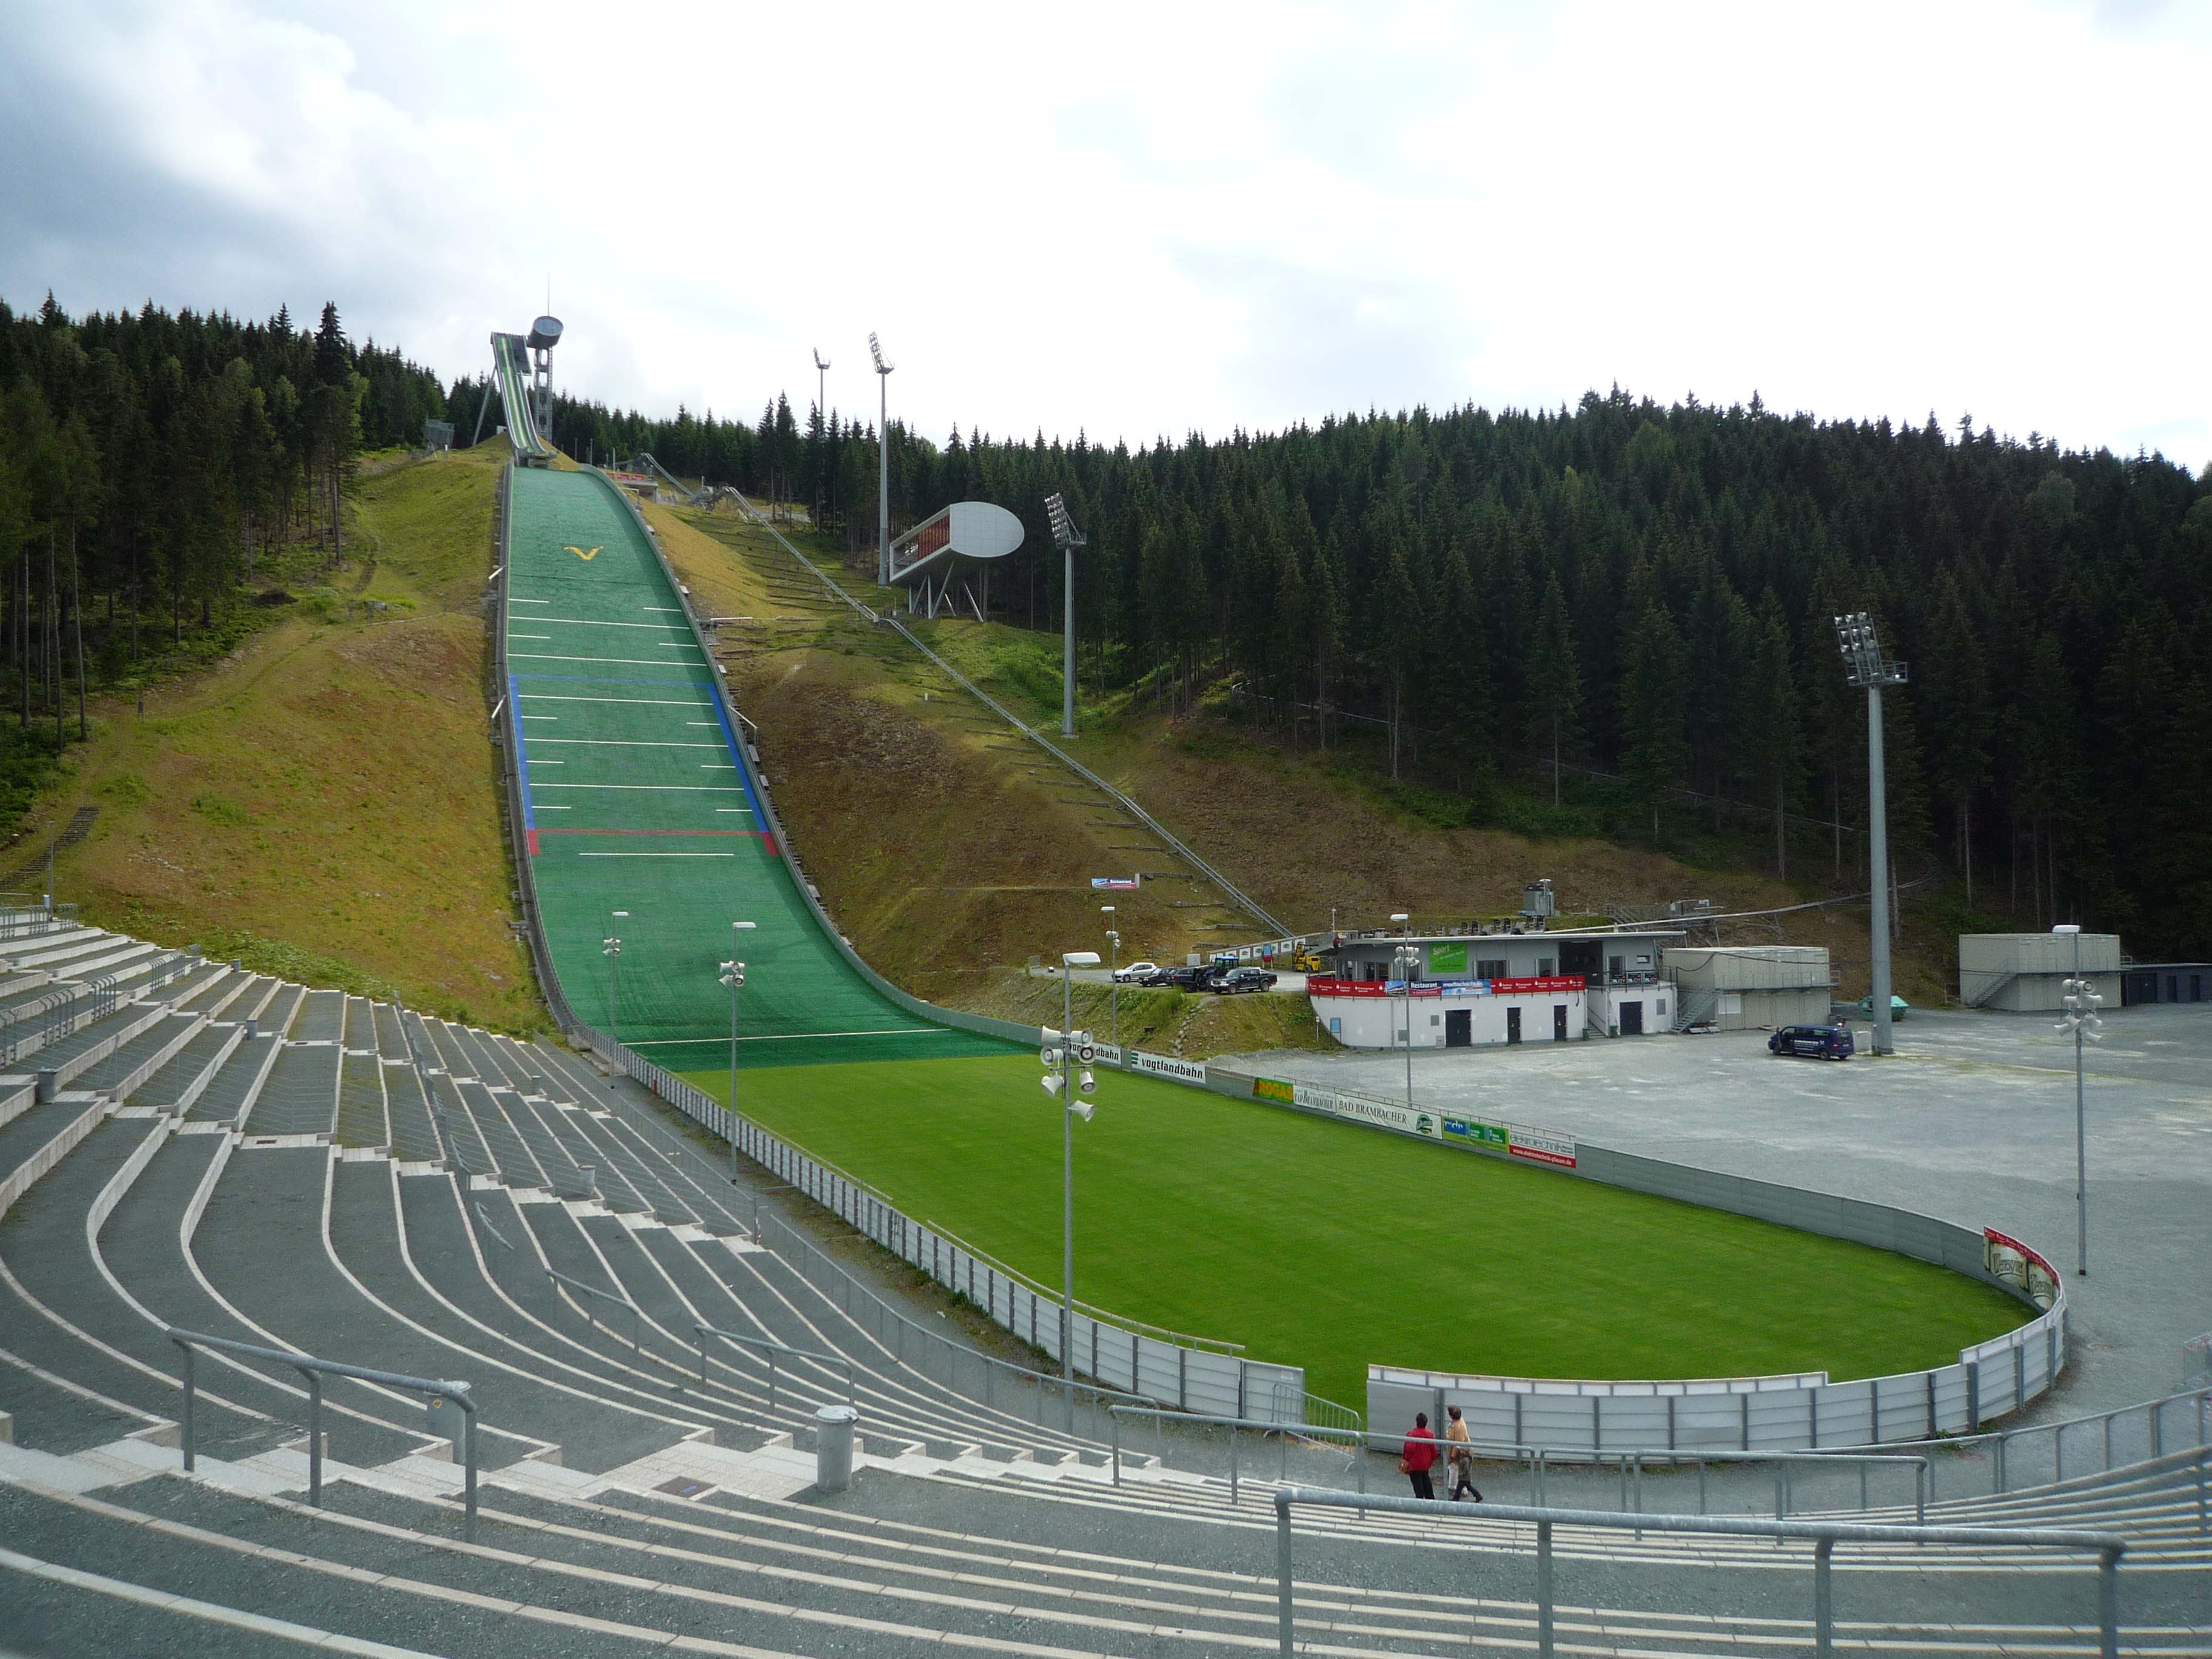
<point>1998,1440</point>
<point>604,1296</point>
<point>2108,1547</point>
<point>773,1348</point>
<point>1633,1459</point>
<point>1288,1431</point>
<point>314,1371</point>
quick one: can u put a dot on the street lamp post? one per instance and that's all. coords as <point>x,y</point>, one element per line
<point>1069,538</point>
<point>2081,1004</point>
<point>733,975</point>
<point>1406,962</point>
<point>1865,667</point>
<point>611,948</point>
<point>883,465</point>
<point>1114,976</point>
<point>821,415</point>
<point>1056,1085</point>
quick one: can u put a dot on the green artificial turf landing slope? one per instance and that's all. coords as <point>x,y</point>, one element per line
<point>1331,1246</point>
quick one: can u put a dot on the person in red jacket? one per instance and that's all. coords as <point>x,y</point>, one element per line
<point>1421,1456</point>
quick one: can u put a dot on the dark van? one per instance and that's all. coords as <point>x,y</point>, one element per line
<point>1813,1042</point>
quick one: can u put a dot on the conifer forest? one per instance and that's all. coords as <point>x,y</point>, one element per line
<point>1621,611</point>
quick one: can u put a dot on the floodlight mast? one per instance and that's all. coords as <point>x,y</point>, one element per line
<point>1864,667</point>
<point>1069,538</point>
<point>883,456</point>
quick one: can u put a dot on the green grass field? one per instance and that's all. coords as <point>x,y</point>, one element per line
<point>1331,1246</point>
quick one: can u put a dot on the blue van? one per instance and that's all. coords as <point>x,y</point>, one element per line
<point>1813,1042</point>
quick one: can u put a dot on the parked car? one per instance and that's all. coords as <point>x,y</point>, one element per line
<point>1137,973</point>
<point>1238,980</point>
<point>1899,1008</point>
<point>1813,1042</point>
<point>1189,979</point>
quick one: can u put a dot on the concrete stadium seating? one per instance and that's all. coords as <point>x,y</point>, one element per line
<point>368,1184</point>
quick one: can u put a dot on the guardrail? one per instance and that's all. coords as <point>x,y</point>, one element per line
<point>1824,1536</point>
<point>314,1371</point>
<point>772,1349</point>
<point>604,1296</point>
<point>1999,1443</point>
<point>1540,1460</point>
<point>1234,1424</point>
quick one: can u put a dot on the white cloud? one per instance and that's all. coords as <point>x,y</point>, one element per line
<point>1164,218</point>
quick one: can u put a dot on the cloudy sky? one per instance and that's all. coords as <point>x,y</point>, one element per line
<point>1146,219</point>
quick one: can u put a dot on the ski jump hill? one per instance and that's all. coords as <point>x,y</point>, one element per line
<point>634,793</point>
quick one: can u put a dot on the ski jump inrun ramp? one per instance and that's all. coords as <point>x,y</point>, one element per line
<point>637,795</point>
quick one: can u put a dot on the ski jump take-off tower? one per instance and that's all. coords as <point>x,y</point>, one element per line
<point>522,375</point>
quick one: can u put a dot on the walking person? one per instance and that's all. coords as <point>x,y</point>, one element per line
<point>1419,1457</point>
<point>1463,1461</point>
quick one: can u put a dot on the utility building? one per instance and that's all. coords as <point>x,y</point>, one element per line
<point>1517,984</point>
<point>1749,988</point>
<point>2027,972</point>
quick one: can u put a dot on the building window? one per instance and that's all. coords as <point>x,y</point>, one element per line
<point>1546,966</point>
<point>1490,967</point>
<point>1434,1020</point>
<point>1661,1007</point>
<point>1335,1027</point>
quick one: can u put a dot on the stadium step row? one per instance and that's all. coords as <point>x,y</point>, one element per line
<point>383,1560</point>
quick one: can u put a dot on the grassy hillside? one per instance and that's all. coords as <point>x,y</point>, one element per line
<point>323,800</point>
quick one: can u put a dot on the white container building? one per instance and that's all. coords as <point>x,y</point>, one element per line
<point>1744,987</point>
<point>2027,973</point>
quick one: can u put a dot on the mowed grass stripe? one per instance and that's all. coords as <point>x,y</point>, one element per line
<point>1332,1246</point>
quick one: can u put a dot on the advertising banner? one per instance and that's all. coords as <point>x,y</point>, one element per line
<point>1448,958</point>
<point>1318,986</point>
<point>1540,1148</point>
<point>1358,1109</point>
<point>2009,1258</point>
<point>1478,1135</point>
<point>1182,1071</point>
<point>1267,1087</point>
<point>1113,883</point>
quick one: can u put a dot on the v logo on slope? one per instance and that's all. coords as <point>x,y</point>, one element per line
<point>581,554</point>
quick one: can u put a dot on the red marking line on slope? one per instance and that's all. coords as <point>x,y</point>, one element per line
<point>649,832</point>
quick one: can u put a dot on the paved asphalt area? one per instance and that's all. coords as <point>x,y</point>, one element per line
<point>1972,1120</point>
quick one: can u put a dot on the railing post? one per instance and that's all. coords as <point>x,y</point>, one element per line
<point>1701,1485</point>
<point>2204,1512</point>
<point>1285,1619</point>
<point>1544,1589</point>
<point>1921,1479</point>
<point>1232,1466</point>
<point>2108,1604</point>
<point>1824,1605</point>
<point>314,1437</point>
<point>469,1466</point>
<point>1116,1417</point>
<point>2003,1441</point>
<point>771,1382</point>
<point>190,1394</point>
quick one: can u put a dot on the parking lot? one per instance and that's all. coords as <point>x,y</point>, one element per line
<point>1972,1120</point>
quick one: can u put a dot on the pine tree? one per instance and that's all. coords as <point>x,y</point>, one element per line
<point>1772,735</point>
<point>1555,686</point>
<point>1955,687</point>
<point>1652,693</point>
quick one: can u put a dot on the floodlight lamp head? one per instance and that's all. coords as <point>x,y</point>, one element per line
<point>1078,958</point>
<point>820,361</point>
<point>744,926</point>
<point>2067,927</point>
<point>876,351</point>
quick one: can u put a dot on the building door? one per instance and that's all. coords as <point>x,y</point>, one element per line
<point>1559,1021</point>
<point>1632,1019</point>
<point>1459,1028</point>
<point>1513,1025</point>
